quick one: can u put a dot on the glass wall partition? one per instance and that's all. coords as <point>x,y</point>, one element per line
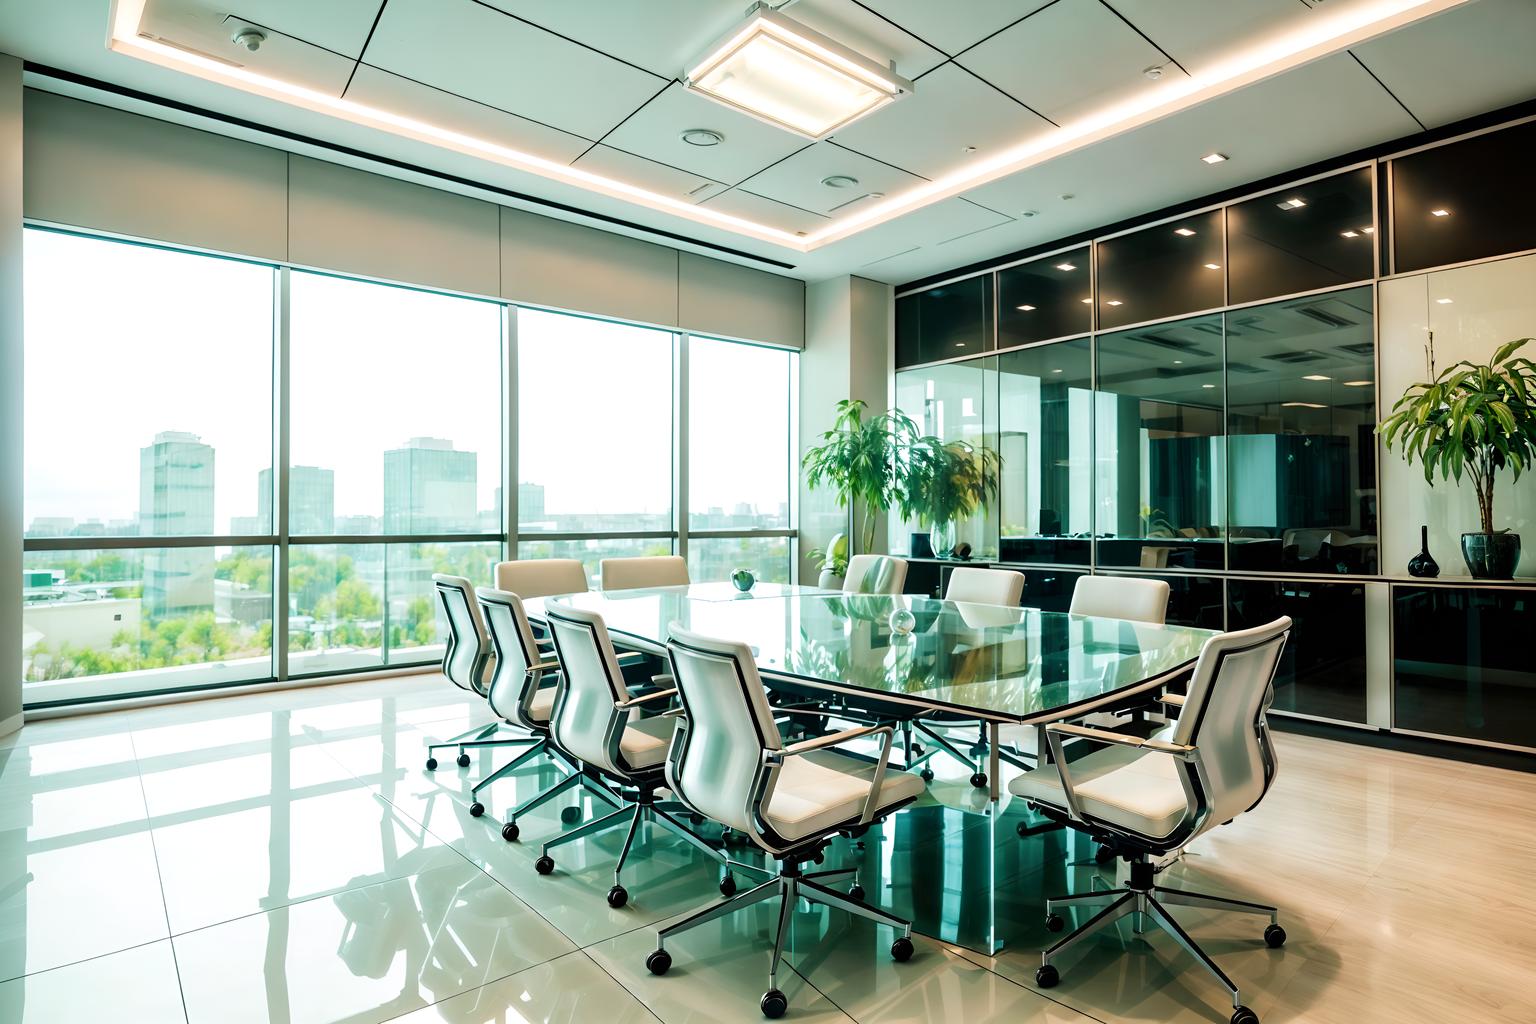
<point>1162,271</point>
<point>1318,235</point>
<point>946,322</point>
<point>1051,297</point>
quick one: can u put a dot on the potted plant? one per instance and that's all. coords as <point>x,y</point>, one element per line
<point>858,457</point>
<point>944,482</point>
<point>832,564</point>
<point>1473,419</point>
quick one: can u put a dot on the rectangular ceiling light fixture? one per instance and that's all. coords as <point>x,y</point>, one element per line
<point>781,72</point>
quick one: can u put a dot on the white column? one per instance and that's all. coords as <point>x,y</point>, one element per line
<point>10,394</point>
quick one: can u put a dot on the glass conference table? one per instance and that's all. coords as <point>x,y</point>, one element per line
<point>962,662</point>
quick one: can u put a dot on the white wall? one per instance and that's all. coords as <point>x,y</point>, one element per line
<point>10,393</point>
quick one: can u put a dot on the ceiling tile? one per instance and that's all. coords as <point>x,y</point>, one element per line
<point>1313,113</point>
<point>475,51</point>
<point>203,28</point>
<point>859,28</point>
<point>1071,59</point>
<point>660,37</point>
<point>656,133</point>
<point>926,227</point>
<point>1199,37</point>
<point>1466,61</point>
<point>928,132</point>
<point>399,95</point>
<point>798,180</point>
<point>766,211</point>
<point>658,177</point>
<point>950,26</point>
<point>337,25</point>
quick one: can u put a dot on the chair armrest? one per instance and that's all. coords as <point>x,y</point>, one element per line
<point>1172,699</point>
<point>876,783</point>
<point>829,740</point>
<point>646,697</point>
<point>545,666</point>
<point>630,655</point>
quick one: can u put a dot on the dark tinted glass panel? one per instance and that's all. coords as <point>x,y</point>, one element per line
<point>1465,201</point>
<point>1163,271</point>
<point>1159,446</point>
<point>1313,236</point>
<point>1044,299</point>
<point>1045,436</point>
<point>1463,662</point>
<point>1194,600</point>
<point>1323,669</point>
<point>1301,397</point>
<point>944,322</point>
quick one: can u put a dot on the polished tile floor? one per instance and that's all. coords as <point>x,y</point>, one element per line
<point>284,857</point>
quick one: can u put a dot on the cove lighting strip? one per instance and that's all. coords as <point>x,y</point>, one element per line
<point>1324,34</point>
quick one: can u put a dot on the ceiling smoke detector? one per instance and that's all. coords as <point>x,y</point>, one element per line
<point>702,137</point>
<point>1154,72</point>
<point>250,38</point>
<point>839,181</point>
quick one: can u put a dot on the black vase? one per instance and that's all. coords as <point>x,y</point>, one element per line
<point>1491,556</point>
<point>1423,564</point>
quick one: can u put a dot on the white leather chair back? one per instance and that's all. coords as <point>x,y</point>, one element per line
<point>511,636</point>
<point>875,574</point>
<point>716,762</point>
<point>1121,597</point>
<point>587,722</point>
<point>984,586</point>
<point>649,571</point>
<point>541,577</point>
<point>1223,716</point>
<point>465,657</point>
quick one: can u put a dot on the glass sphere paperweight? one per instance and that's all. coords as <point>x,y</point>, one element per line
<point>743,579</point>
<point>902,622</point>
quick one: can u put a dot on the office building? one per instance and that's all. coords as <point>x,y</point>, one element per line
<point>854,510</point>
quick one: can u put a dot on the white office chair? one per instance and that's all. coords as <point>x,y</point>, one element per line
<point>875,574</point>
<point>1121,597</point>
<point>594,721</point>
<point>467,663</point>
<point>1147,798</point>
<point>728,763</point>
<point>650,571</point>
<point>985,586</point>
<point>541,577</point>
<point>522,692</point>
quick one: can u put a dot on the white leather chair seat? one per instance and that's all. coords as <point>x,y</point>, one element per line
<point>1138,790</point>
<point>645,741</point>
<point>542,705</point>
<point>823,789</point>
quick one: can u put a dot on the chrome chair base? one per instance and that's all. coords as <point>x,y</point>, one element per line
<point>576,779</point>
<point>479,736</point>
<point>1145,902</point>
<point>789,886</point>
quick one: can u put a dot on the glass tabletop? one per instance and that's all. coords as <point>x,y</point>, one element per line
<point>986,661</point>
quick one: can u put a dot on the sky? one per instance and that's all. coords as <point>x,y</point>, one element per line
<point>125,341</point>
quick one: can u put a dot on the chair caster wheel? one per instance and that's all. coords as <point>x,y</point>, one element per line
<point>463,760</point>
<point>544,865</point>
<point>1104,856</point>
<point>927,774</point>
<point>901,950</point>
<point>476,809</point>
<point>570,815</point>
<point>1274,936</point>
<point>1022,829</point>
<point>1046,976</point>
<point>728,885</point>
<point>856,892</point>
<point>618,896</point>
<point>431,764</point>
<point>657,961</point>
<point>1054,923</point>
<point>510,831</point>
<point>1243,1015</point>
<point>917,750</point>
<point>979,780</point>
<point>773,1004</point>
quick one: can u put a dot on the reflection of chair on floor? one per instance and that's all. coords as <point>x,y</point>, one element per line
<point>1146,798</point>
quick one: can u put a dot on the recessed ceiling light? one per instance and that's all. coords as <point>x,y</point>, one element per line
<point>702,137</point>
<point>1066,266</point>
<point>1178,362</point>
<point>1367,231</point>
<point>1213,266</point>
<point>1025,309</point>
<point>1350,234</point>
<point>1301,405</point>
<point>1186,232</point>
<point>1087,302</point>
<point>1114,302</point>
<point>1358,383</point>
<point>970,149</point>
<point>779,71</point>
<point>1214,158</point>
<point>1028,213</point>
<point>839,181</point>
<point>1208,387</point>
<point>1055,371</point>
<point>1292,204</point>
<point>1444,302</point>
<point>1316,376</point>
<point>1439,213</point>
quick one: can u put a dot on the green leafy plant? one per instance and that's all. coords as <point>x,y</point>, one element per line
<point>834,558</point>
<point>859,458</point>
<point>946,481</point>
<point>1473,419</point>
